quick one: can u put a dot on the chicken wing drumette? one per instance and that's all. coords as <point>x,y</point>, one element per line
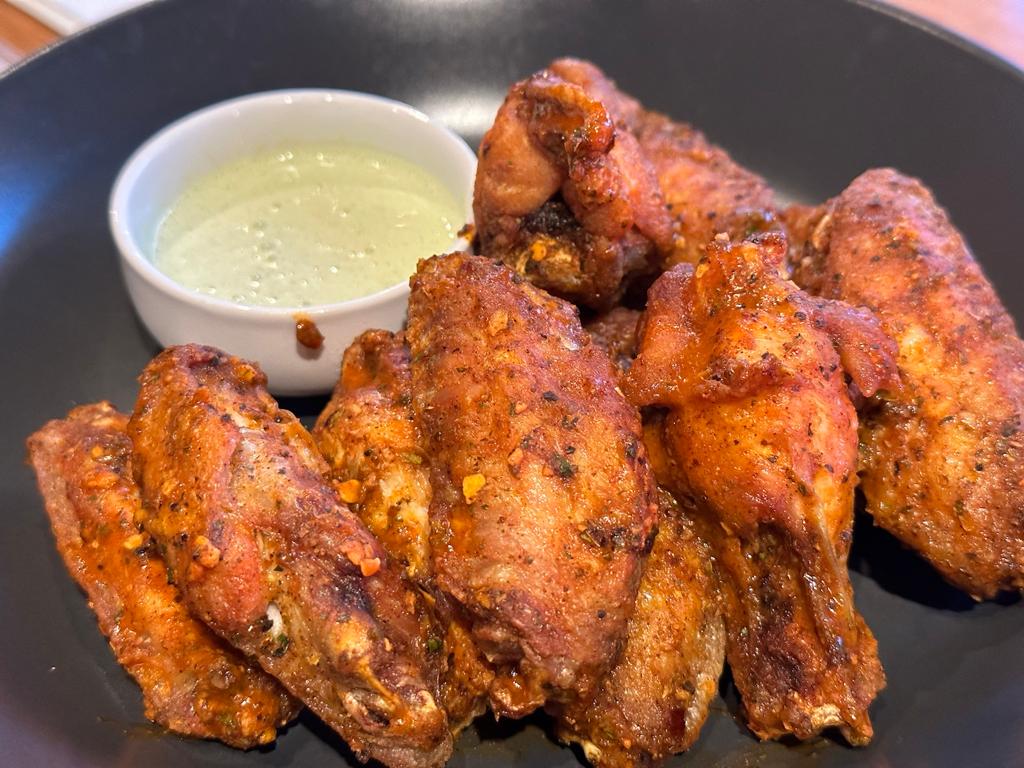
<point>192,681</point>
<point>761,435</point>
<point>543,503</point>
<point>942,460</point>
<point>369,437</point>
<point>580,189</point>
<point>654,701</point>
<point>264,552</point>
<point>564,195</point>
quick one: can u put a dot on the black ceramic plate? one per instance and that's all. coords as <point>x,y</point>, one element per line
<point>808,92</point>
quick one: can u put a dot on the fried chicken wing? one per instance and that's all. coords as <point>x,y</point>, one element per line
<point>543,503</point>
<point>654,701</point>
<point>264,552</point>
<point>370,439</point>
<point>564,195</point>
<point>942,460</point>
<point>192,682</point>
<point>762,435</point>
<point>580,189</point>
<point>705,191</point>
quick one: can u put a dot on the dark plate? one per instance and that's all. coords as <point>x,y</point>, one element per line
<point>807,92</point>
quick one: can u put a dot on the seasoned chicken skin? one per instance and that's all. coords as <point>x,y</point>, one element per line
<point>370,439</point>
<point>705,191</point>
<point>761,435</point>
<point>580,189</point>
<point>368,435</point>
<point>655,699</point>
<point>942,459</point>
<point>264,552</point>
<point>192,682</point>
<point>543,504</point>
<point>564,195</point>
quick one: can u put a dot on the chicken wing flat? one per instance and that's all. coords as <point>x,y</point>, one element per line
<point>942,461</point>
<point>264,552</point>
<point>543,503</point>
<point>579,188</point>
<point>654,701</point>
<point>192,682</point>
<point>762,437</point>
<point>369,437</point>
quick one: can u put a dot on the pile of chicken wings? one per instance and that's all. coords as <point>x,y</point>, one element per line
<point>506,507</point>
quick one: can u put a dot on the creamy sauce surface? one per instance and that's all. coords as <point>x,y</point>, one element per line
<point>306,224</point>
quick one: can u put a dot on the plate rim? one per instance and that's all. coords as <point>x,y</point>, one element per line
<point>911,18</point>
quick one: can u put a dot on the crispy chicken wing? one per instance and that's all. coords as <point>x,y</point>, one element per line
<point>762,436</point>
<point>579,188</point>
<point>655,699</point>
<point>192,682</point>
<point>942,460</point>
<point>564,195</point>
<point>705,191</point>
<point>543,504</point>
<point>235,494</point>
<point>369,437</point>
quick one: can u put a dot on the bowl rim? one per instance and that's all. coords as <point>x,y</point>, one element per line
<point>131,254</point>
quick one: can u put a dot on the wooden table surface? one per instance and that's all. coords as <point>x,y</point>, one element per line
<point>20,35</point>
<point>996,24</point>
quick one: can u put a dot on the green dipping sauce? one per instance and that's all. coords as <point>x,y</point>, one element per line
<point>304,225</point>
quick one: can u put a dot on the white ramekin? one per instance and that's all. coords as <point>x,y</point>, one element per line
<point>159,171</point>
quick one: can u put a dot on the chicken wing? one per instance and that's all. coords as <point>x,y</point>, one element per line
<point>654,701</point>
<point>564,195</point>
<point>942,461</point>
<point>370,439</point>
<point>762,436</point>
<point>192,682</point>
<point>580,189</point>
<point>543,504</point>
<point>264,552</point>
